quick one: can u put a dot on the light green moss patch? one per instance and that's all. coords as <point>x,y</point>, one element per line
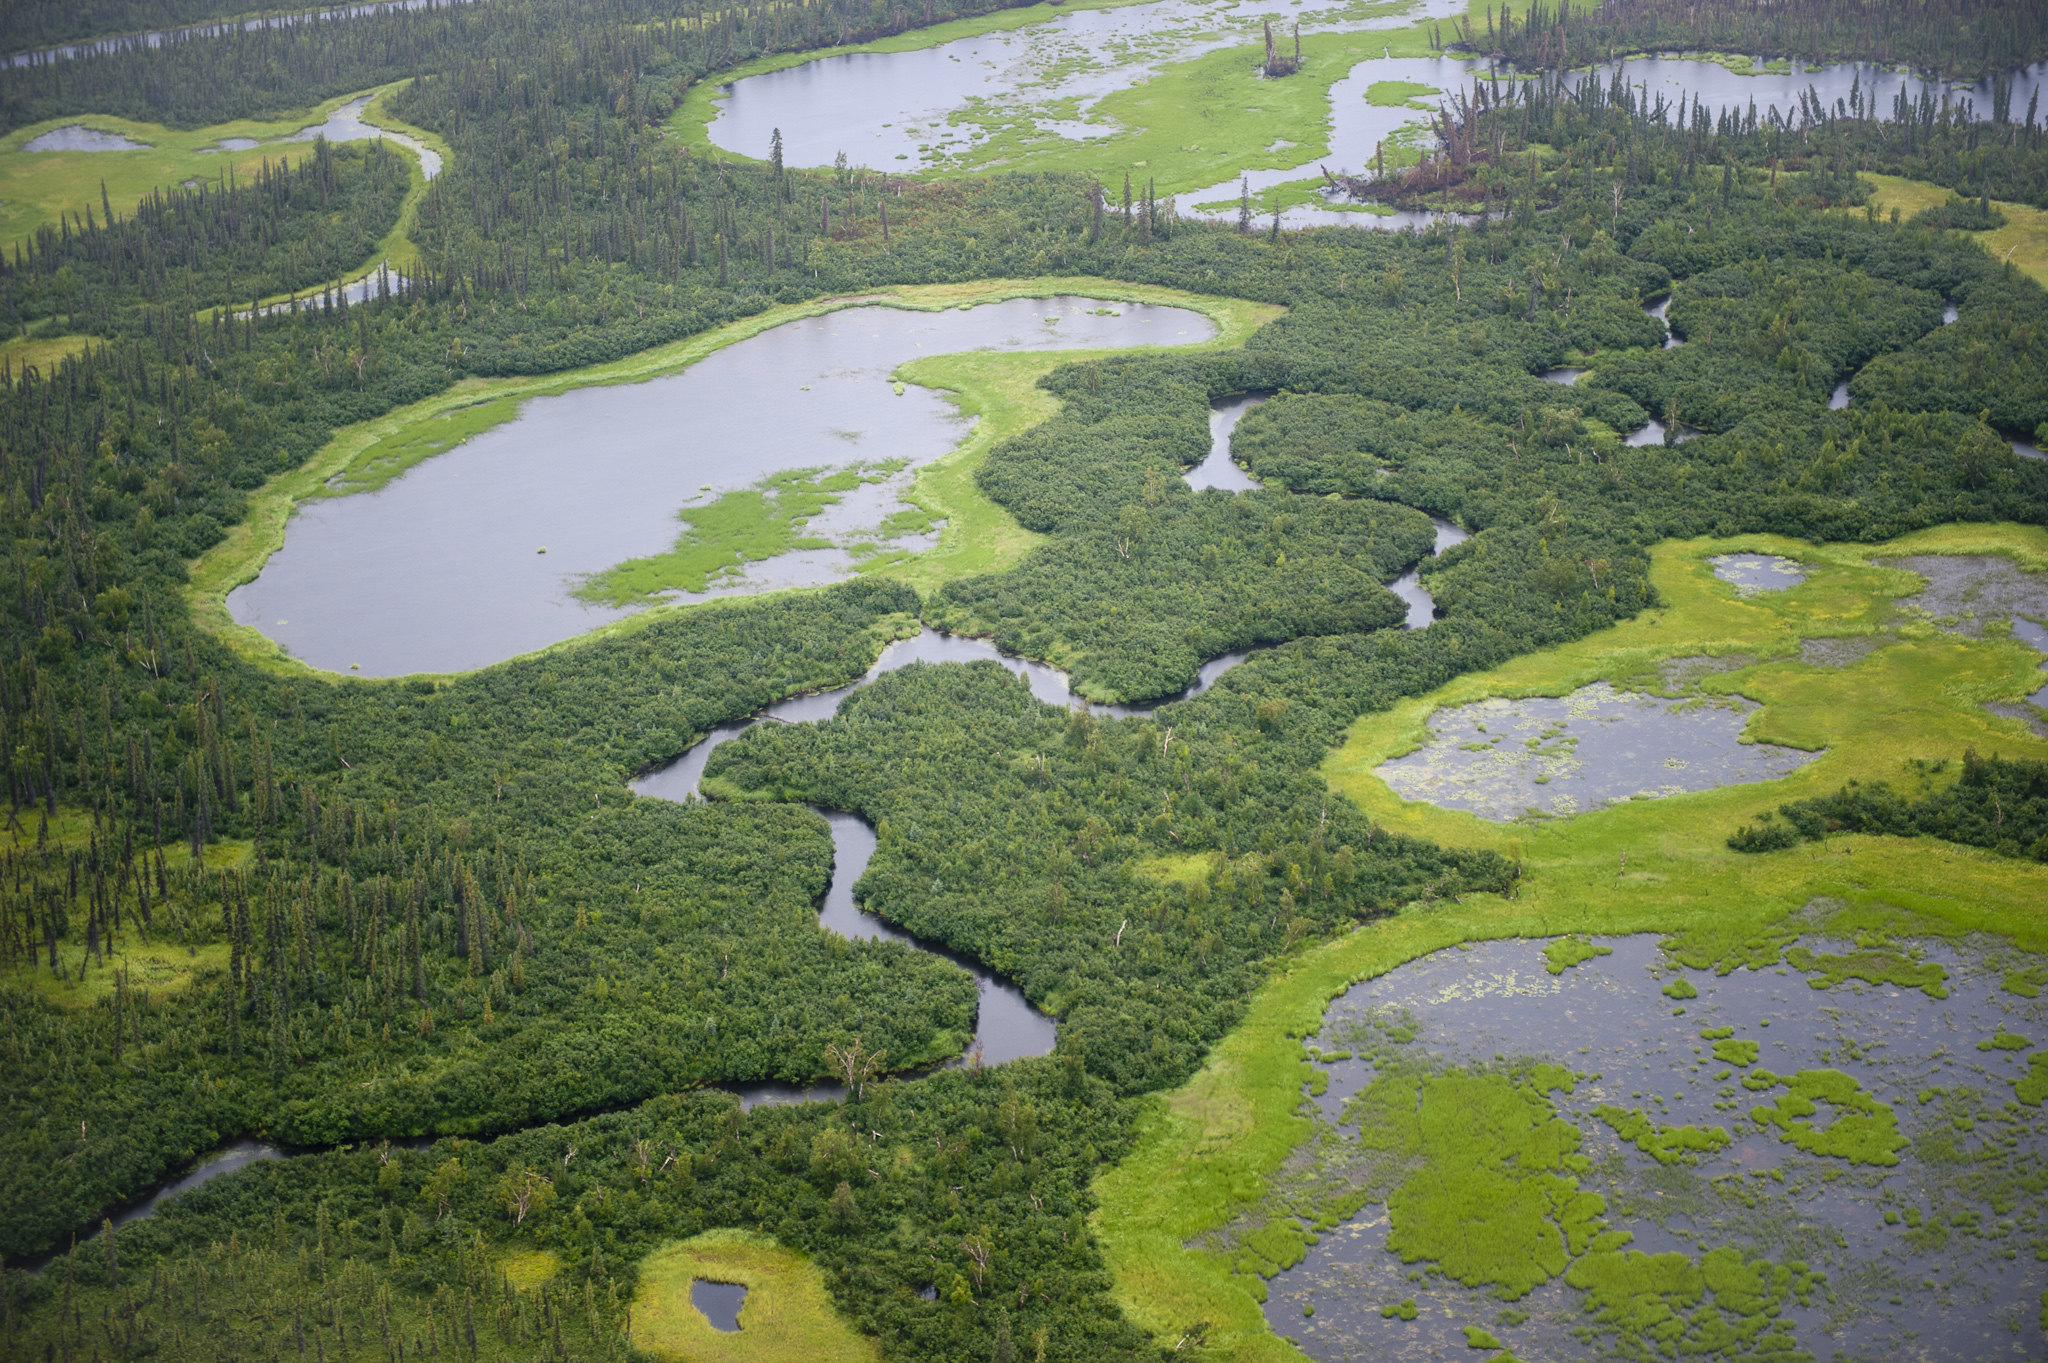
<point>1566,952</point>
<point>1740,1053</point>
<point>2032,1087</point>
<point>1665,1144</point>
<point>1391,94</point>
<point>1877,965</point>
<point>2003,1041</point>
<point>1863,1130</point>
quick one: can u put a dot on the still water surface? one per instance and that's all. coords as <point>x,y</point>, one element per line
<point>442,570</point>
<point>1955,1295</point>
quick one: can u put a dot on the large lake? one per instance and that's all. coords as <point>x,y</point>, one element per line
<point>441,570</point>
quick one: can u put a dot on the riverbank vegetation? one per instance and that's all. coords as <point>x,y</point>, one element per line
<point>430,908</point>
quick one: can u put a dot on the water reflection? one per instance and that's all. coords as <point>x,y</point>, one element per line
<point>720,1303</point>
<point>1219,470</point>
<point>1408,586</point>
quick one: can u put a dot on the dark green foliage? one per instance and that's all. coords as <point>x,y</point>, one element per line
<point>296,226</point>
<point>1995,803</point>
<point>1953,37</point>
<point>1961,215</point>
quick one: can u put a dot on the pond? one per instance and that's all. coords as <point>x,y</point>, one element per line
<point>1753,573</point>
<point>78,137</point>
<point>1881,1135</point>
<point>720,1302</point>
<point>937,108</point>
<point>1542,756</point>
<point>443,569</point>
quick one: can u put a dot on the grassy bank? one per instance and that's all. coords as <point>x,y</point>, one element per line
<point>978,536</point>
<point>1207,1151</point>
<point>2023,240</point>
<point>787,1317</point>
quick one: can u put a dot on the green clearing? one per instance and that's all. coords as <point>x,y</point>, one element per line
<point>978,536</point>
<point>787,1317</point>
<point>1213,1147</point>
<point>2023,240</point>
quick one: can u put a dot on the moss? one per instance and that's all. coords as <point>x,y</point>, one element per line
<point>1566,952</point>
<point>1863,1130</point>
<point>1486,1194</point>
<point>1741,1053</point>
<point>1724,1305</point>
<point>2026,981</point>
<point>1400,1310</point>
<point>1477,1337</point>
<point>1874,965</point>
<point>1681,988</point>
<point>2032,1087</point>
<point>1716,1033</point>
<point>1666,1144</point>
<point>2003,1041</point>
<point>1392,94</point>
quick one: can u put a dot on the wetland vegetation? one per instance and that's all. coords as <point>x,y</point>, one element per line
<point>423,933</point>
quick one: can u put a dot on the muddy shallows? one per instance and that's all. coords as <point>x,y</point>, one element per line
<point>1585,1148</point>
<point>1544,756</point>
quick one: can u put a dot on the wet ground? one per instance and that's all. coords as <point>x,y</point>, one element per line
<point>1934,1257</point>
<point>78,137</point>
<point>1556,756</point>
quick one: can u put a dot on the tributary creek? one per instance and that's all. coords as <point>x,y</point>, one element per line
<point>472,556</point>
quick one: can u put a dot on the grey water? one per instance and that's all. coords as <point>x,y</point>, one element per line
<point>1753,573</point>
<point>1661,310</point>
<point>228,1158</point>
<point>1408,586</point>
<point>78,137</point>
<point>1959,1296</point>
<point>1542,756</point>
<point>1219,470</point>
<point>1564,374</point>
<point>720,1303</point>
<point>1962,593</point>
<point>1839,399</point>
<point>443,569</point>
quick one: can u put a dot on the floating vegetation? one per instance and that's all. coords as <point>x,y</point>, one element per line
<point>1878,1186</point>
<point>1542,756</point>
<point>1753,573</point>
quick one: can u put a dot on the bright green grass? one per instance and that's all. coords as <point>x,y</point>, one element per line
<point>978,536</point>
<point>1566,952</point>
<point>1192,124</point>
<point>1862,1130</point>
<point>1211,1149</point>
<point>1665,1144</point>
<point>733,530</point>
<point>1391,94</point>
<point>787,1316</point>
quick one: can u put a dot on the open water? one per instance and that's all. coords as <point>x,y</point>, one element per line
<point>1931,1258</point>
<point>443,569</point>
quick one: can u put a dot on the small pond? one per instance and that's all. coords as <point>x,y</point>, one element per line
<point>442,570</point>
<point>720,1303</point>
<point>1545,756</point>
<point>1905,1190</point>
<point>1753,573</point>
<point>78,137</point>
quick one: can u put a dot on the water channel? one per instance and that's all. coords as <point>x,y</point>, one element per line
<point>473,556</point>
<point>1915,1232</point>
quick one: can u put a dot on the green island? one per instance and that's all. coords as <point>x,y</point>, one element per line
<point>350,1018</point>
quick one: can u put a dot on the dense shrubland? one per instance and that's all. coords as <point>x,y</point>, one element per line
<point>1994,802</point>
<point>458,862</point>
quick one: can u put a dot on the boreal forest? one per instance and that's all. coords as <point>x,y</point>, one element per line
<point>506,1032</point>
